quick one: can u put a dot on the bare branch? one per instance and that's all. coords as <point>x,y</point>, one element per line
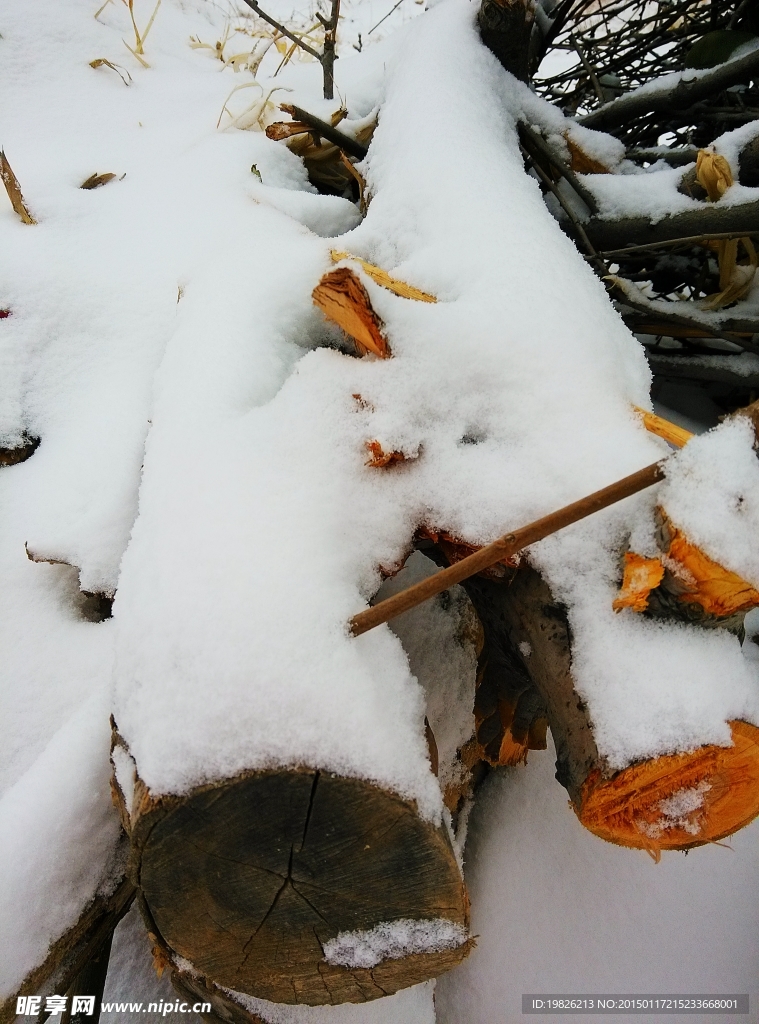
<point>682,95</point>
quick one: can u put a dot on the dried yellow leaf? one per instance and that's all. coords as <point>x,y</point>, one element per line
<point>102,62</point>
<point>13,189</point>
<point>713,173</point>
<point>381,277</point>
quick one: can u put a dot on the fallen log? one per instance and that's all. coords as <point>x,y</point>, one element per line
<point>69,955</point>
<point>20,452</point>
<point>250,880</point>
<point>710,369</point>
<point>676,801</point>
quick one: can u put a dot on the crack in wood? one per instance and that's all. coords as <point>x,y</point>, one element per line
<point>310,808</point>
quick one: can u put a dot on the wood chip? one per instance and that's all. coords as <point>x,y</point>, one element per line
<point>342,298</point>
<point>96,180</point>
<point>642,575</point>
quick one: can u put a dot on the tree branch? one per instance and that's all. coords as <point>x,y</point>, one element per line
<point>709,219</point>
<point>337,138</point>
<point>679,97</point>
<point>281,28</point>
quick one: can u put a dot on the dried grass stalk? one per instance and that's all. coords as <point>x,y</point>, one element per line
<point>13,189</point>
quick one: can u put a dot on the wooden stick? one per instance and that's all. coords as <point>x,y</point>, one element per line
<point>505,547</point>
<point>715,236</point>
<point>337,138</point>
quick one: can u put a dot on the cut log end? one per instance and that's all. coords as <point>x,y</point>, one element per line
<point>678,801</point>
<point>248,880</point>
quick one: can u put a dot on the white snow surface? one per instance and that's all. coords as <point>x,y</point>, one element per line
<point>391,940</point>
<point>202,454</point>
<point>58,834</point>
<point>260,528</point>
<point>557,910</point>
<point>712,495</point>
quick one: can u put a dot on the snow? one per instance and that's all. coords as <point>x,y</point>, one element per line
<point>556,909</point>
<point>409,1006</point>
<point>203,456</point>
<point>439,638</point>
<point>56,811</point>
<point>391,940</point>
<point>712,495</point>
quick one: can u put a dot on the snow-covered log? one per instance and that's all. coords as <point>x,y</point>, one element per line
<point>671,802</point>
<point>289,836</point>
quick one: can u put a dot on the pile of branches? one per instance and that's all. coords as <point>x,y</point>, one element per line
<point>592,58</point>
<point>611,47</point>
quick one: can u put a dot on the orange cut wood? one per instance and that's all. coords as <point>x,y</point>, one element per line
<point>677,436</point>
<point>642,575</point>
<point>678,801</point>
<point>379,458</point>
<point>342,298</point>
<point>705,582</point>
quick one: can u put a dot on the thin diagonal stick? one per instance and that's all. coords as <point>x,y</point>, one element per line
<point>505,547</point>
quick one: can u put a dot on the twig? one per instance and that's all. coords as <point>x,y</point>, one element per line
<point>540,144</point>
<point>717,236</point>
<point>589,68</point>
<point>395,8</point>
<point>641,306</point>
<point>329,56</point>
<point>337,138</point>
<point>253,4</point>
<point>505,547</point>
<point>673,157</point>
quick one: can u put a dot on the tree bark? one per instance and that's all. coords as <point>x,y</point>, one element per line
<point>611,234</point>
<point>505,28</point>
<point>74,950</point>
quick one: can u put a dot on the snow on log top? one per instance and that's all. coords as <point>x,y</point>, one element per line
<point>261,528</point>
